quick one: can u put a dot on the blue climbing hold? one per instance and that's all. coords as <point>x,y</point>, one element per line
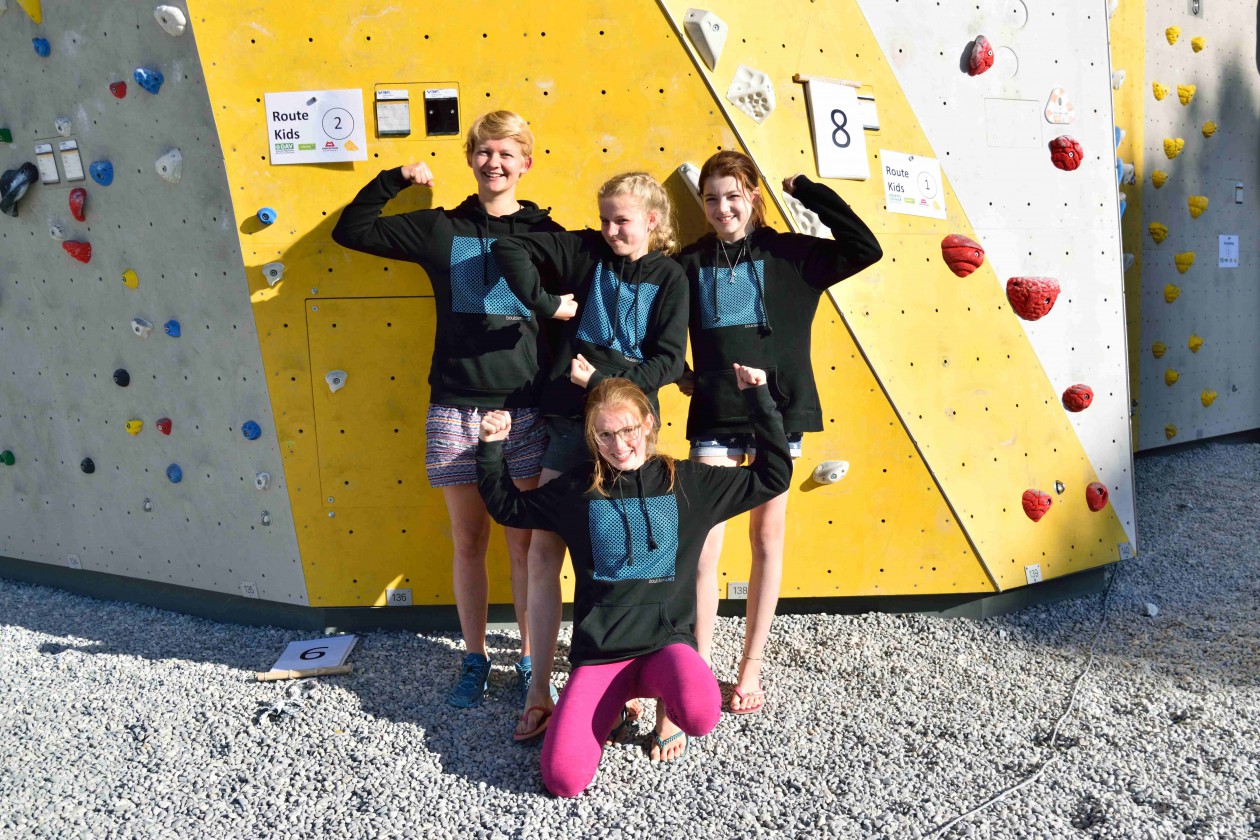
<point>266,215</point>
<point>149,79</point>
<point>42,48</point>
<point>102,172</point>
<point>174,473</point>
<point>251,430</point>
<point>172,328</point>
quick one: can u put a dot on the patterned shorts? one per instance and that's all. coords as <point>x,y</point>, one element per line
<point>737,446</point>
<point>450,453</point>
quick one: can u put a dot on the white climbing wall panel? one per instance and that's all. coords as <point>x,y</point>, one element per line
<point>65,326</point>
<point>991,135</point>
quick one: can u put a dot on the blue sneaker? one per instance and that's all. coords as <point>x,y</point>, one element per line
<point>474,679</point>
<point>524,675</point>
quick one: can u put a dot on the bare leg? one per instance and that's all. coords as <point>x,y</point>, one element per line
<point>546,556</point>
<point>766,527</point>
<point>470,531</point>
<point>518,540</point>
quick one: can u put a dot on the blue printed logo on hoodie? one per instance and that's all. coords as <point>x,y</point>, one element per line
<point>615,314</point>
<point>477,285</point>
<point>621,540</point>
<point>732,298</point>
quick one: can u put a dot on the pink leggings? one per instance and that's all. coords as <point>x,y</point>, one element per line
<point>591,705</point>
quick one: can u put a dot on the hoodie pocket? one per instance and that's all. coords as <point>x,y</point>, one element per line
<point>614,630</point>
<point>718,400</point>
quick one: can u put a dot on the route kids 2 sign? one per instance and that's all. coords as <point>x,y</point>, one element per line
<point>316,126</point>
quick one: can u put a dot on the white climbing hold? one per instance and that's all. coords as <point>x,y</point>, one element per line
<point>336,380</point>
<point>1117,79</point>
<point>170,166</point>
<point>262,480</point>
<point>807,220</point>
<point>57,230</point>
<point>1112,5</point>
<point>171,19</point>
<point>63,126</point>
<point>274,272</point>
<point>141,327</point>
<point>752,92</point>
<point>829,472</point>
<point>1129,259</point>
<point>691,177</point>
<point>708,32</point>
<point>1059,108</point>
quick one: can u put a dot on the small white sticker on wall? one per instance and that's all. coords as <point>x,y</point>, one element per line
<point>1228,257</point>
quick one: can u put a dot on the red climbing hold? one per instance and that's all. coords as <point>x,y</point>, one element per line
<point>1078,398</point>
<point>81,251</point>
<point>1032,297</point>
<point>164,425</point>
<point>981,56</point>
<point>1036,504</point>
<point>1096,496</point>
<point>78,197</point>
<point>961,254</point>
<point>1066,153</point>
<point>119,89</point>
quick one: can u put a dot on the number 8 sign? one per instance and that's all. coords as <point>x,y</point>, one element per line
<point>839,142</point>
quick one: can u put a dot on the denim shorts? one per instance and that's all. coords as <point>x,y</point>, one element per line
<point>566,444</point>
<point>737,446</point>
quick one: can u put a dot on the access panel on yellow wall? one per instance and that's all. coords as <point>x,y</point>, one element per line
<point>370,424</point>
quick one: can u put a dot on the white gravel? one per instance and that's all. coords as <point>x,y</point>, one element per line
<point>125,721</point>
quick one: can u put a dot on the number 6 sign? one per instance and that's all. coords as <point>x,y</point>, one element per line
<point>839,142</point>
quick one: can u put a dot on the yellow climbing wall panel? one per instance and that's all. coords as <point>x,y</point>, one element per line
<point>949,352</point>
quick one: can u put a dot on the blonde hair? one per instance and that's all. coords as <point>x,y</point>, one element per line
<point>499,125</point>
<point>613,393</point>
<point>648,192</point>
<point>737,165</point>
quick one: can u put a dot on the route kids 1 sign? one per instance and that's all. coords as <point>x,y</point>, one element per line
<point>316,126</point>
<point>912,184</point>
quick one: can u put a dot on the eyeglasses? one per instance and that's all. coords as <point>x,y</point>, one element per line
<point>629,435</point>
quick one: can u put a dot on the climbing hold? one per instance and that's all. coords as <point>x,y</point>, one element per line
<point>1185,93</point>
<point>1170,431</point>
<point>81,251</point>
<point>274,272</point>
<point>707,32</point>
<point>1117,79</point>
<point>752,92</point>
<point>1158,349</point>
<point>265,519</point>
<point>87,465</point>
<point>63,126</point>
<point>1078,398</point>
<point>149,78</point>
<point>961,254</point>
<point>174,474</point>
<point>170,166</point>
<point>147,505</point>
<point>1158,178</point>
<point>1129,260</point>
<point>164,425</point>
<point>1124,203</point>
<point>1184,260</point>
<point>119,89</point>
<point>1118,135</point>
<point>1059,487</point>
<point>266,215</point>
<point>171,19</point>
<point>1036,504</point>
<point>1158,231</point>
<point>1207,397</point>
<point>336,380</point>
<point>262,480</point>
<point>141,327</point>
<point>1066,153</point>
<point>251,430</point>
<point>102,172</point>
<point>1173,146</point>
<point>1096,496</point>
<point>981,56</point>
<point>13,185</point>
<point>1032,297</point>
<point>1209,128</point>
<point>1159,90</point>
<point>78,202</point>
<point>134,427</point>
<point>1171,293</point>
<point>1126,173</point>
<point>1195,343</point>
<point>1198,203</point>
<point>1112,5</point>
<point>829,472</point>
<point>121,378</point>
<point>1059,108</point>
<point>130,279</point>
<point>1198,44</point>
<point>42,48</point>
<point>6,135</point>
<point>1172,33</point>
<point>6,457</point>
<point>56,230</point>
<point>171,328</point>
<point>1170,377</point>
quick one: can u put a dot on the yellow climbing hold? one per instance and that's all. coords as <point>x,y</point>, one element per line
<point>1170,431</point>
<point>1159,90</point>
<point>1172,33</point>
<point>1194,343</point>
<point>1158,231</point>
<point>1158,349</point>
<point>1184,260</point>
<point>1173,146</point>
<point>1209,128</point>
<point>134,426</point>
<point>1171,376</point>
<point>1198,204</point>
<point>130,279</point>
<point>1198,44</point>
<point>1207,397</point>
<point>1185,93</point>
<point>32,8</point>
<point>1158,177</point>
<point>1171,293</point>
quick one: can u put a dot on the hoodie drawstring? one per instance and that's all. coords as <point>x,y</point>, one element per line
<point>625,519</point>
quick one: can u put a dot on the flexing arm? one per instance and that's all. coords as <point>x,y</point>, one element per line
<point>508,504</point>
<point>825,262</point>
<point>520,258</point>
<point>361,226</point>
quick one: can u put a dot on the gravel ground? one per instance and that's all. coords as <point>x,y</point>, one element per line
<point>125,721</point>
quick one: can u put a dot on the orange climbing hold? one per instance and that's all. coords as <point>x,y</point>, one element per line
<point>1036,504</point>
<point>1096,496</point>
<point>962,255</point>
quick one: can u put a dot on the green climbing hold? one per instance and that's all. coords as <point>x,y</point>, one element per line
<point>6,136</point>
<point>6,458</point>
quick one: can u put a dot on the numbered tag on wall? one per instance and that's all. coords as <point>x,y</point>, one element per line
<point>839,143</point>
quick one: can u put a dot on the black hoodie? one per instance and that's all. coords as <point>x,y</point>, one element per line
<point>635,551</point>
<point>632,315</point>
<point>486,350</point>
<point>754,303</point>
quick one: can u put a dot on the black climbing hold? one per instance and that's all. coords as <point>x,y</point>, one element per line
<point>121,378</point>
<point>13,185</point>
<point>87,465</point>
